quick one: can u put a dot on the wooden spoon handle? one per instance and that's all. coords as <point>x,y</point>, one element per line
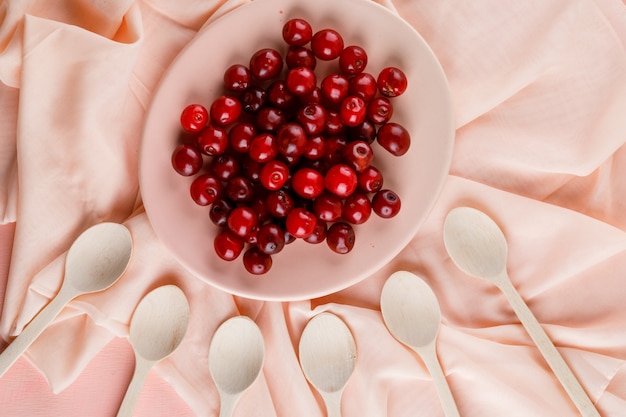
<point>548,350</point>
<point>142,368</point>
<point>428,354</point>
<point>34,329</point>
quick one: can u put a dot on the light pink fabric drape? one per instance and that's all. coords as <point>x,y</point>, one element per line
<point>539,90</point>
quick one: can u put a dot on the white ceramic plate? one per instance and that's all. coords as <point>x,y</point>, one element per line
<point>301,270</point>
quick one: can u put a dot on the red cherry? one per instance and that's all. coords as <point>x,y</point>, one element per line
<point>300,222</point>
<point>352,111</point>
<point>358,154</point>
<point>278,95</point>
<point>312,118</point>
<point>279,203</point>
<point>340,180</point>
<point>357,208</point>
<point>394,138</point>
<point>366,132</point>
<point>225,167</point>
<point>239,189</point>
<point>270,239</point>
<point>335,87</point>
<point>353,60</point>
<point>263,148</point>
<point>237,77</point>
<point>301,81</point>
<point>242,220</point>
<point>363,85</point>
<point>240,136</point>
<point>307,183</point>
<point>256,262</point>
<point>386,204</point>
<point>298,56</point>
<point>253,100</point>
<point>319,233</point>
<point>340,237</point>
<point>379,110</point>
<point>291,140</point>
<point>228,245</point>
<point>391,82</point>
<point>213,140</point>
<point>327,44</point>
<point>270,119</point>
<point>205,189</point>
<point>328,207</point>
<point>225,110</point>
<point>186,160</point>
<point>274,174</point>
<point>297,32</point>
<point>370,180</point>
<point>315,147</point>
<point>220,210</point>
<point>193,118</point>
<point>266,64</point>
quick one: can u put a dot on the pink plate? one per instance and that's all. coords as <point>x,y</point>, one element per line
<point>301,270</point>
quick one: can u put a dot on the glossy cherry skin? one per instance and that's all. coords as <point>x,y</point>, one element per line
<point>327,44</point>
<point>187,160</point>
<point>279,95</point>
<point>239,189</point>
<point>301,81</point>
<point>328,207</point>
<point>274,174</point>
<point>291,140</point>
<point>205,189</point>
<point>225,110</point>
<point>300,222</point>
<point>297,32</point>
<point>379,110</point>
<point>242,220</point>
<point>279,203</point>
<point>340,237</point>
<point>340,180</point>
<point>298,56</point>
<point>315,147</point>
<point>353,111</point>
<point>366,132</point>
<point>256,262</point>
<point>391,82</point>
<point>363,85</point>
<point>357,208</point>
<point>270,239</point>
<point>253,100</point>
<point>225,167</point>
<point>386,203</point>
<point>319,233</point>
<point>237,78</point>
<point>263,148</point>
<point>312,118</point>
<point>307,183</point>
<point>240,136</point>
<point>370,180</point>
<point>266,64</point>
<point>220,210</point>
<point>394,138</point>
<point>193,118</point>
<point>353,60</point>
<point>213,140</point>
<point>270,119</point>
<point>335,87</point>
<point>228,245</point>
<point>358,155</point>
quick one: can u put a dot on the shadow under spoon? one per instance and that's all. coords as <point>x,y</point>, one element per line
<point>478,247</point>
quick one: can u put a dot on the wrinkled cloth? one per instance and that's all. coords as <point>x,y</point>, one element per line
<point>539,93</point>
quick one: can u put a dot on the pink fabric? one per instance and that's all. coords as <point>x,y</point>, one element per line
<point>539,90</point>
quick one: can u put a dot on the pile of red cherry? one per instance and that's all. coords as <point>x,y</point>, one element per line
<point>289,156</point>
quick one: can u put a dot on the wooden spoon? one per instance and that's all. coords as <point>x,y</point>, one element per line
<point>158,326</point>
<point>412,315</point>
<point>328,356</point>
<point>236,357</point>
<point>478,247</point>
<point>95,261</point>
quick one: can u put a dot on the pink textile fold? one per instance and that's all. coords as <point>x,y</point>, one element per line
<point>539,90</point>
